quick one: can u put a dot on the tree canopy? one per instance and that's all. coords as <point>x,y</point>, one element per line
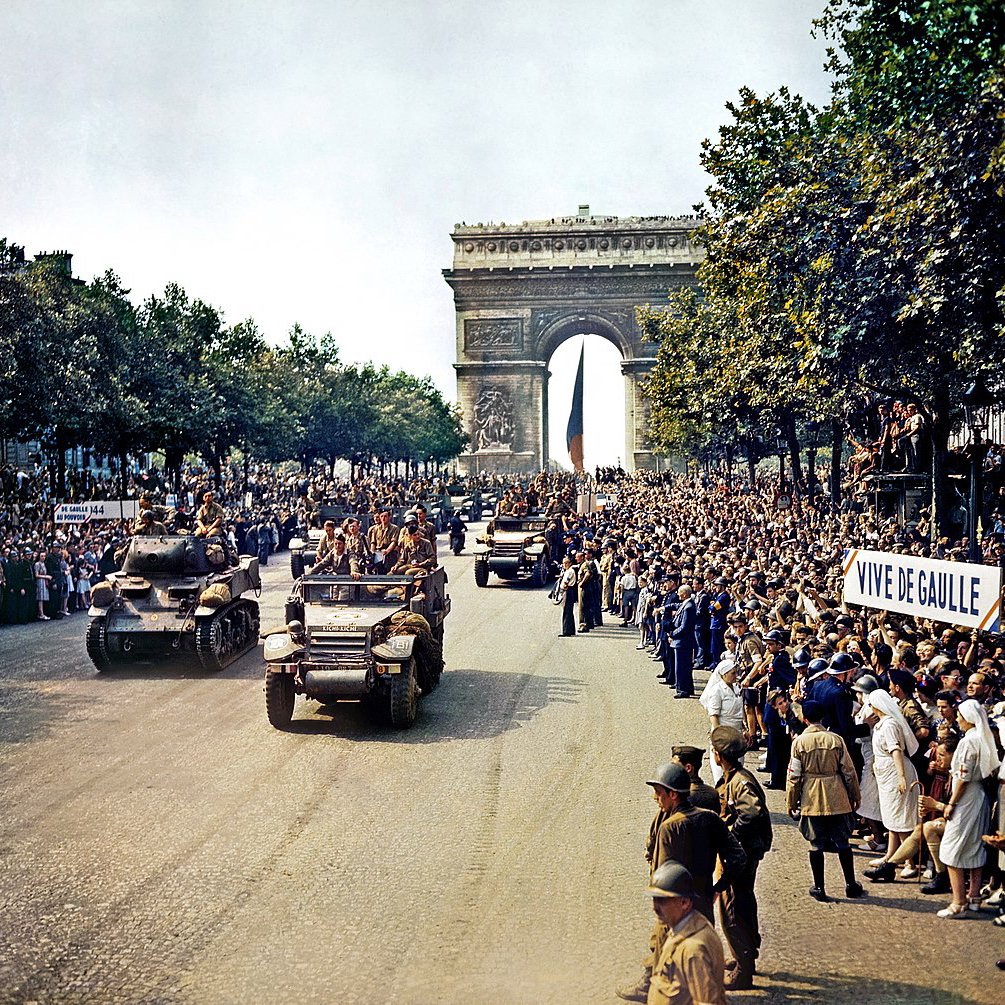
<point>80,365</point>
<point>852,251</point>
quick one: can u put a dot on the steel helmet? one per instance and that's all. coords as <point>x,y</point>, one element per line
<point>671,880</point>
<point>816,668</point>
<point>866,684</point>
<point>841,662</point>
<point>671,776</point>
<point>801,657</point>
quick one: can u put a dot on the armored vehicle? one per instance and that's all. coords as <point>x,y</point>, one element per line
<point>175,594</point>
<point>303,551</point>
<point>377,640</point>
<point>468,504</point>
<point>514,547</point>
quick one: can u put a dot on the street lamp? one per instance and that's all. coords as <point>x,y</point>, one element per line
<point>977,401</point>
<point>782,446</point>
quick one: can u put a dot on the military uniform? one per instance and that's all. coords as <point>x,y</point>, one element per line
<point>209,519</point>
<point>745,811</point>
<point>153,529</point>
<point>415,555</point>
<point>383,541</point>
<point>690,966</point>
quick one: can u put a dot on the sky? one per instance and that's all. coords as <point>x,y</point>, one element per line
<point>305,161</point>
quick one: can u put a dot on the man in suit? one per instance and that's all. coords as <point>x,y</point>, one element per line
<point>682,643</point>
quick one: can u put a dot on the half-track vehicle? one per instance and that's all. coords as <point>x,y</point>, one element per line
<point>304,550</point>
<point>376,640</point>
<point>175,594</point>
<point>514,547</point>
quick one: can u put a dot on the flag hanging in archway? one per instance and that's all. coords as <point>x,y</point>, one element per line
<point>574,431</point>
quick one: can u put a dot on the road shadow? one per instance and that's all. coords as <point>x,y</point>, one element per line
<point>184,666</point>
<point>835,989</point>
<point>28,713</point>
<point>468,705</point>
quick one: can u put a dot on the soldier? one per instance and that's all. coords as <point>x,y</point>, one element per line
<point>746,814</point>
<point>426,528</point>
<point>382,538</point>
<point>337,561</point>
<point>416,555</point>
<point>702,794</point>
<point>692,837</point>
<point>325,546</point>
<point>690,965</point>
<point>147,526</point>
<point>356,544</point>
<point>586,579</point>
<point>209,517</point>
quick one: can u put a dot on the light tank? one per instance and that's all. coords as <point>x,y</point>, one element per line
<point>174,595</point>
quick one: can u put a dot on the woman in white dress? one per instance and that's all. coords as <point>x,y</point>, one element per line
<point>868,808</point>
<point>724,706</point>
<point>893,744</point>
<point>967,812</point>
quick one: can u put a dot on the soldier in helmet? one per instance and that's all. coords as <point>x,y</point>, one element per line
<point>690,964</point>
<point>692,837</point>
<point>147,526</point>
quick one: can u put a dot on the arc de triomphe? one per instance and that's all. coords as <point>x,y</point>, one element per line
<point>520,291</point>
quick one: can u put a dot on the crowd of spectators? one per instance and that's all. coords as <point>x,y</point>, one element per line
<point>705,576</point>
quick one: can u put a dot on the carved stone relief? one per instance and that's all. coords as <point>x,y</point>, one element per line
<point>492,333</point>
<point>493,420</point>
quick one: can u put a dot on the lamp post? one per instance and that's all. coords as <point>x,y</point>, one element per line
<point>781,445</point>
<point>977,401</point>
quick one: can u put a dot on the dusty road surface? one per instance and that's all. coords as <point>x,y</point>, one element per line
<point>160,842</point>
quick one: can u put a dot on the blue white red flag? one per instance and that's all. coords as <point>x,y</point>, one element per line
<point>574,431</point>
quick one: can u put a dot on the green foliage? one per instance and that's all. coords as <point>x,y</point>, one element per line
<point>853,249</point>
<point>80,365</point>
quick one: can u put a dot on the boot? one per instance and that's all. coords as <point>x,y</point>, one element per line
<point>639,991</point>
<point>938,885</point>
<point>885,873</point>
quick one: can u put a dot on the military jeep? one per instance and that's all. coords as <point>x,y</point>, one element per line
<point>514,547</point>
<point>376,640</point>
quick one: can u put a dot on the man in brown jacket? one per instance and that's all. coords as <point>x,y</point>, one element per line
<point>689,970</point>
<point>823,793</point>
<point>746,814</point>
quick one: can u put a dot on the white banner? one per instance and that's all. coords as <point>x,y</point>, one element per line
<point>958,593</point>
<point>101,509</point>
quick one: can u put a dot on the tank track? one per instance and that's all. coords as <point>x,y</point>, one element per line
<point>228,634</point>
<point>97,644</point>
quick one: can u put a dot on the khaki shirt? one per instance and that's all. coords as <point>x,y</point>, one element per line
<point>745,811</point>
<point>208,515</point>
<point>384,539</point>
<point>690,966</point>
<point>418,552</point>
<point>822,780</point>
<point>155,529</point>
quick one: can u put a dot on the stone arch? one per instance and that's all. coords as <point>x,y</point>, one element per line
<point>521,291</point>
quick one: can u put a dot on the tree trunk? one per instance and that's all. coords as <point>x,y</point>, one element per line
<point>60,465</point>
<point>751,463</point>
<point>247,465</point>
<point>729,466</point>
<point>792,439</point>
<point>837,442</point>
<point>123,462</point>
<point>938,443</point>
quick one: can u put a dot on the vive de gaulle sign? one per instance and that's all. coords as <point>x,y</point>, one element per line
<point>959,593</point>
<point>100,509</point>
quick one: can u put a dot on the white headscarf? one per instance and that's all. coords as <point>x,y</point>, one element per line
<point>974,712</point>
<point>716,683</point>
<point>883,701</point>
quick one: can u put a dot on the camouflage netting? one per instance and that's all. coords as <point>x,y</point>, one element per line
<point>102,594</point>
<point>215,596</point>
<point>428,651</point>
